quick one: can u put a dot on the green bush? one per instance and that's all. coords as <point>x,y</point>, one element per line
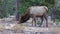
<point>26,3</point>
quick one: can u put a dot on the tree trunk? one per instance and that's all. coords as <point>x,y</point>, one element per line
<point>16,9</point>
<point>4,8</point>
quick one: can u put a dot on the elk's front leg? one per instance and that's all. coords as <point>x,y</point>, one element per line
<point>34,21</point>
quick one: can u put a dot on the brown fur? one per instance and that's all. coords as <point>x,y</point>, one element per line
<point>24,17</point>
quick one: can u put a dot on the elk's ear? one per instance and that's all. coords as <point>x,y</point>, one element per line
<point>19,23</point>
<point>19,20</point>
<point>19,17</point>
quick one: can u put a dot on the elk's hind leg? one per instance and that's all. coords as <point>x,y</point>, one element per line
<point>46,20</point>
<point>41,21</point>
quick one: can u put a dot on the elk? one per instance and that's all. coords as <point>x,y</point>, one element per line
<point>35,11</point>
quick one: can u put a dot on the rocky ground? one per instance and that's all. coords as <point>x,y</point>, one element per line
<point>9,21</point>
